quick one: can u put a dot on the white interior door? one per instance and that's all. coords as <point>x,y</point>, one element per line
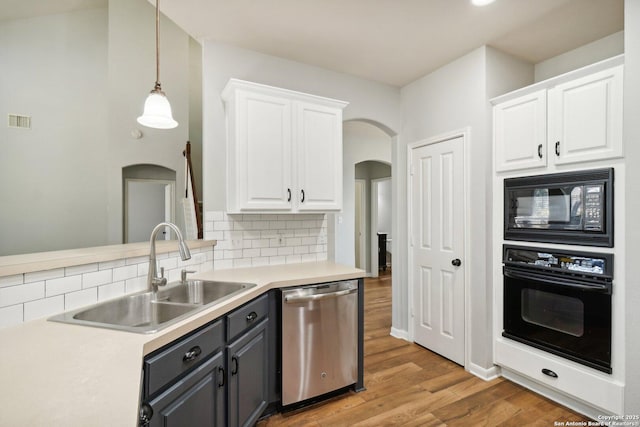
<point>437,247</point>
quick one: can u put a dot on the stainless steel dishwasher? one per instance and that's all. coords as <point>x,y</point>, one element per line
<point>319,339</point>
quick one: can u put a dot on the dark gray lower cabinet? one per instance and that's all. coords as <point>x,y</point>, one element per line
<point>217,376</point>
<point>247,364</point>
<point>195,400</point>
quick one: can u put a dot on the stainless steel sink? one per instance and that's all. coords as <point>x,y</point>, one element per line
<point>144,314</point>
<point>201,292</point>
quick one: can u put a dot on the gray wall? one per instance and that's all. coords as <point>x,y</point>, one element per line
<point>631,135</point>
<point>53,177</point>
<point>362,142</point>
<point>83,77</point>
<point>452,98</point>
<point>596,51</point>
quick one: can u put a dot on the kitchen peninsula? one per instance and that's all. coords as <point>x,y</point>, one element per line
<point>56,374</point>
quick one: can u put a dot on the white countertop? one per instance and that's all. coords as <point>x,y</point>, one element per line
<point>55,374</point>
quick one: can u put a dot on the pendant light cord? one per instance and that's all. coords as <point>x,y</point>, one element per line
<point>157,45</point>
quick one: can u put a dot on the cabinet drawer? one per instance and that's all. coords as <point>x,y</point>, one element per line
<point>590,386</point>
<point>247,316</point>
<point>182,356</point>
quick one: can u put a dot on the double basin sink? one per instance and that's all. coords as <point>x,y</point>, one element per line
<point>145,312</point>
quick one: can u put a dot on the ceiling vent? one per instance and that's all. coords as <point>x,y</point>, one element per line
<point>18,121</point>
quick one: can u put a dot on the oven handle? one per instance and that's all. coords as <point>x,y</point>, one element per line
<point>558,281</point>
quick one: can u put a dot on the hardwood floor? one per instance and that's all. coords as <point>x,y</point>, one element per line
<point>407,385</point>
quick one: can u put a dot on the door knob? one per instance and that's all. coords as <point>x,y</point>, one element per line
<point>456,262</point>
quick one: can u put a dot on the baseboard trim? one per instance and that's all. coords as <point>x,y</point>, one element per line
<point>399,333</point>
<point>484,373</point>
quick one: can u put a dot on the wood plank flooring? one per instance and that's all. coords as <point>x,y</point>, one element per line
<point>407,385</point>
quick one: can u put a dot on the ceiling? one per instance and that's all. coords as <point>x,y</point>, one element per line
<point>396,41</point>
<point>389,41</point>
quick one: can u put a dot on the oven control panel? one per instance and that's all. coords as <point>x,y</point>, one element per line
<point>588,263</point>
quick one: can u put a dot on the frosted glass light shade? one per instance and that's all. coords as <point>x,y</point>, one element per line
<point>157,112</point>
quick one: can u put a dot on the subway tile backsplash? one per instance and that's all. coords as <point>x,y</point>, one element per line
<point>246,240</point>
<point>242,241</point>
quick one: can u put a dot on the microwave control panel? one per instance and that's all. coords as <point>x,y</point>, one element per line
<point>593,207</point>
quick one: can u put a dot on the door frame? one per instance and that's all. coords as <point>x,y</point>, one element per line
<point>362,239</point>
<point>374,224</point>
<point>466,202</point>
<point>169,203</point>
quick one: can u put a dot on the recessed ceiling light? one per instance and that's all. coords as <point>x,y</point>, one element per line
<point>481,2</point>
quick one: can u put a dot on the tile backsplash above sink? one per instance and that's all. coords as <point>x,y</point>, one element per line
<point>246,240</point>
<point>38,294</point>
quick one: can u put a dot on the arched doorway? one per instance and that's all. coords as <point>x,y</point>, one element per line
<point>148,199</point>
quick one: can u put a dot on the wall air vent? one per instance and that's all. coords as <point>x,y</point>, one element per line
<point>18,121</point>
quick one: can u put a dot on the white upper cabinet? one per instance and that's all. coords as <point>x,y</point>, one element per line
<point>585,117</point>
<point>576,117</point>
<point>284,150</point>
<point>520,132</point>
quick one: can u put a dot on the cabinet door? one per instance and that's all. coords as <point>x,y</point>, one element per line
<point>262,166</point>
<point>319,153</point>
<point>520,132</point>
<point>196,400</point>
<point>247,362</point>
<point>585,121</point>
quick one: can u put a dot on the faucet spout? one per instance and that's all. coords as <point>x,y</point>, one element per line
<point>153,280</point>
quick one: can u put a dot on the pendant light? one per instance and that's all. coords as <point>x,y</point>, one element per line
<point>157,110</point>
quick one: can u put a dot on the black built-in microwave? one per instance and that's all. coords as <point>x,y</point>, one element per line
<point>571,208</point>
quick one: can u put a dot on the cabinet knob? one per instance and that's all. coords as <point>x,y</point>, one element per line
<point>456,262</point>
<point>252,316</point>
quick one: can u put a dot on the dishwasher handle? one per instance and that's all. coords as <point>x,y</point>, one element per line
<point>293,299</point>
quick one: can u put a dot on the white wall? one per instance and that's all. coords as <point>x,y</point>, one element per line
<point>631,135</point>
<point>598,50</point>
<point>53,177</point>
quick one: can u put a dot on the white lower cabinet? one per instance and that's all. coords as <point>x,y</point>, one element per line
<point>593,388</point>
<point>284,150</point>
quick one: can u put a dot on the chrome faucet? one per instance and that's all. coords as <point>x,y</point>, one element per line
<point>153,281</point>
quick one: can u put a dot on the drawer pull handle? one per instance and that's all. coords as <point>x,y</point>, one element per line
<point>234,360</point>
<point>221,372</point>
<point>549,373</point>
<point>252,316</point>
<point>192,354</point>
<point>540,150</point>
<point>557,148</point>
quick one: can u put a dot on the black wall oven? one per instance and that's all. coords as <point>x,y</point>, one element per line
<point>570,208</point>
<point>560,301</point>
